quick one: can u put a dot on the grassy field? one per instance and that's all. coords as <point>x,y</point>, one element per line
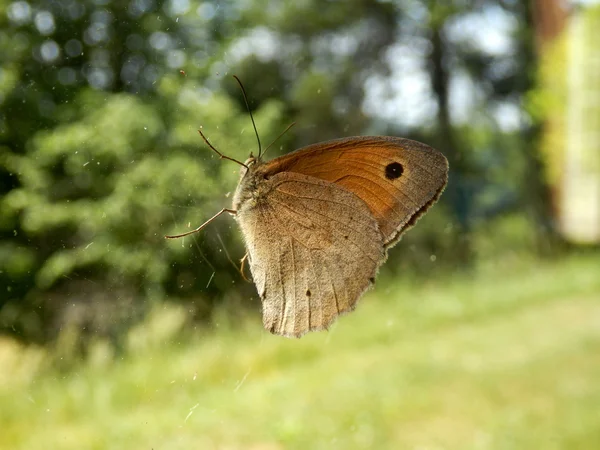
<point>509,359</point>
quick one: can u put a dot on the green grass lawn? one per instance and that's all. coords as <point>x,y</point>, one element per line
<point>509,359</point>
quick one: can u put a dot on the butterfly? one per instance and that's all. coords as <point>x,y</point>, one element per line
<point>318,222</point>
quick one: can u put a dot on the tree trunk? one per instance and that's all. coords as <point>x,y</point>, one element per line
<point>457,192</point>
<point>547,19</point>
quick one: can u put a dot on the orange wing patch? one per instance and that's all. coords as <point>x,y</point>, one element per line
<point>397,178</point>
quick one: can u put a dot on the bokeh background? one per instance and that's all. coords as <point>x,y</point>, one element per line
<point>483,330</point>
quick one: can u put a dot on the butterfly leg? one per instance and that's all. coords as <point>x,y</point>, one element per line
<point>224,210</point>
<point>242,266</point>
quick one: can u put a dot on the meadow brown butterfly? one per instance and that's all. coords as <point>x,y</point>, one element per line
<point>318,221</point>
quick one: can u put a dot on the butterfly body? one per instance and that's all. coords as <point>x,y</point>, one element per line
<point>318,221</point>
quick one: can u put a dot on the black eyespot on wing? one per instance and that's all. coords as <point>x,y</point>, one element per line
<point>308,293</point>
<point>393,170</point>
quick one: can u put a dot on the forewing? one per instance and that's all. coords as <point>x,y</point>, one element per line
<point>365,166</point>
<point>314,249</point>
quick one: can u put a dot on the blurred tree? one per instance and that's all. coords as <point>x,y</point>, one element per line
<point>316,56</point>
<point>547,20</point>
<point>97,132</point>
<point>488,166</point>
<point>100,156</point>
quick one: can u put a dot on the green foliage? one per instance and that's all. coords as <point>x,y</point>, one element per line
<point>100,155</point>
<point>107,186</point>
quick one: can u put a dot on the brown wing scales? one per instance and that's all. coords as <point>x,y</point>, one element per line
<point>299,258</point>
<point>359,165</point>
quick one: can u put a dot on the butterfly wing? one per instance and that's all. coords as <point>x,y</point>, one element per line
<point>314,248</point>
<point>397,178</point>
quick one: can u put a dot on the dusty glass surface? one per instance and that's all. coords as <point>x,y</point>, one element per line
<point>482,330</point>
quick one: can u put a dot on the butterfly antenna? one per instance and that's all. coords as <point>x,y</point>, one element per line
<point>277,138</point>
<point>221,155</point>
<point>249,112</point>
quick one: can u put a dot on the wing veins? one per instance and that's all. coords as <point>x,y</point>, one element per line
<point>335,296</point>
<point>282,293</point>
<point>330,201</point>
<point>293,282</point>
<point>334,219</point>
<point>335,230</point>
<point>319,290</point>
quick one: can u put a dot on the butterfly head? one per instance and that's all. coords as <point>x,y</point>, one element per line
<point>250,185</point>
<point>249,165</point>
<point>251,160</point>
